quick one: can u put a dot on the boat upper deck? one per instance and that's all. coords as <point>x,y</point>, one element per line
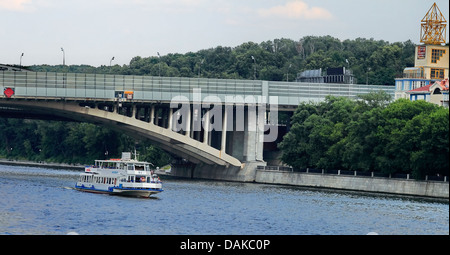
<point>131,165</point>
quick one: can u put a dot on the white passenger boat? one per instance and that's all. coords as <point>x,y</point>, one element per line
<point>124,176</point>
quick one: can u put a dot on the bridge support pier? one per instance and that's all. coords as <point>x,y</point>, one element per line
<point>243,143</point>
<point>244,173</point>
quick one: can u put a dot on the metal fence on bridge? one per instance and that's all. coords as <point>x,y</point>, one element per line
<point>151,88</point>
<point>293,93</point>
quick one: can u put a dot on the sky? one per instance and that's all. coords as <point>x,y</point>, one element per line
<point>91,32</point>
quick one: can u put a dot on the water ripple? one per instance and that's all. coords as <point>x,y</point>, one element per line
<point>34,201</point>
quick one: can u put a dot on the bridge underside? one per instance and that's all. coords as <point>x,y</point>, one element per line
<point>190,149</point>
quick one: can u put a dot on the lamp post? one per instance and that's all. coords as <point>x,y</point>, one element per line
<point>200,68</point>
<point>111,61</point>
<point>20,64</point>
<point>287,75</point>
<point>254,72</point>
<point>64,56</point>
<point>159,64</point>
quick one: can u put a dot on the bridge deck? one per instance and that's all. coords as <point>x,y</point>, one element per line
<point>150,88</point>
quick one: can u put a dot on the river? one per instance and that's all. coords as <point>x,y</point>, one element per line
<point>40,201</point>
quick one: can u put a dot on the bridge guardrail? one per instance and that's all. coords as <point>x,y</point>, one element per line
<point>153,88</point>
<point>46,84</point>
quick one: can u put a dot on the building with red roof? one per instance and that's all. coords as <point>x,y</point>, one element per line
<point>436,93</point>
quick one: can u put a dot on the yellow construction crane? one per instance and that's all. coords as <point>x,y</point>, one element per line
<point>433,27</point>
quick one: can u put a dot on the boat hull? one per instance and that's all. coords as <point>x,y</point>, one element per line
<point>121,192</point>
<point>134,193</point>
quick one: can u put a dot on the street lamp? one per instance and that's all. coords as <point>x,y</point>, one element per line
<point>200,68</point>
<point>111,61</point>
<point>287,75</point>
<point>159,64</point>
<point>64,56</point>
<point>254,72</point>
<point>21,60</point>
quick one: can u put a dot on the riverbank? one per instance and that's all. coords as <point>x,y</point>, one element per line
<point>40,164</point>
<point>373,183</point>
<point>409,187</point>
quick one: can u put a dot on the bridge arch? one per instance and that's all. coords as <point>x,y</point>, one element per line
<point>176,143</point>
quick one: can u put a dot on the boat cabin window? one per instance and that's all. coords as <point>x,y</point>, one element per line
<point>139,167</point>
<point>130,167</point>
<point>85,178</point>
<point>107,165</point>
<point>142,179</point>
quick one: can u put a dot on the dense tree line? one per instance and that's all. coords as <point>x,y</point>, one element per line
<point>372,61</point>
<point>371,135</point>
<point>69,142</point>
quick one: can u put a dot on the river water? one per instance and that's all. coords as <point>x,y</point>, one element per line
<point>39,201</point>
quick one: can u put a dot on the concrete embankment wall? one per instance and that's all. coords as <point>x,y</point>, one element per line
<point>246,173</point>
<point>367,184</point>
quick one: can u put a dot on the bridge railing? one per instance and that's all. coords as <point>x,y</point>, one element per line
<point>81,85</point>
<point>295,93</point>
<point>151,88</point>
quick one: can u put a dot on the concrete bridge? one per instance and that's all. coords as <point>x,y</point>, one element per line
<point>219,125</point>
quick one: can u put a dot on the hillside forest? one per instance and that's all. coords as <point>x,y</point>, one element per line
<point>372,61</point>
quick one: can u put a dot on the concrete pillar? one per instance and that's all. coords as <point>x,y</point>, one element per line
<point>169,126</point>
<point>223,143</point>
<point>206,132</point>
<point>117,107</point>
<point>246,141</point>
<point>152,115</point>
<point>133,111</point>
<point>252,135</point>
<point>188,123</point>
<point>156,117</point>
<point>249,136</point>
<point>260,121</point>
<point>196,119</point>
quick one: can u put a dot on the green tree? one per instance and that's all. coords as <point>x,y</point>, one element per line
<point>369,135</point>
<point>427,134</point>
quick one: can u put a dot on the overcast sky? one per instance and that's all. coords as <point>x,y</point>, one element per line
<point>93,31</point>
